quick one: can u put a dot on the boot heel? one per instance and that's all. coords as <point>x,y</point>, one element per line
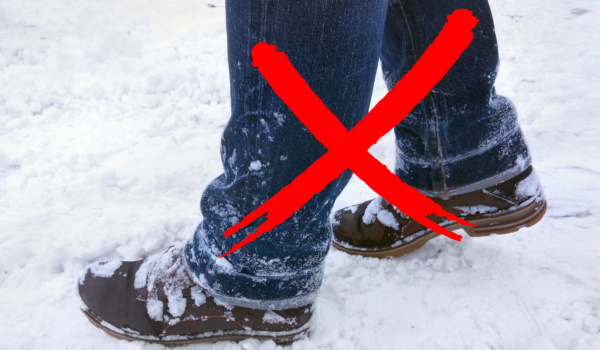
<point>509,222</point>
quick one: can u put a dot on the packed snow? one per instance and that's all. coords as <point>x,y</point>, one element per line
<point>477,209</point>
<point>529,186</point>
<point>168,268</point>
<point>110,120</point>
<point>374,211</point>
<point>197,295</point>
<point>272,317</point>
<point>104,269</point>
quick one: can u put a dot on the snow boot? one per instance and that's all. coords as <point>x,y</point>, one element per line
<point>155,301</point>
<point>377,229</point>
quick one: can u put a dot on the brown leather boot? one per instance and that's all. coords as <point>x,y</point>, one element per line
<point>154,300</point>
<point>376,228</point>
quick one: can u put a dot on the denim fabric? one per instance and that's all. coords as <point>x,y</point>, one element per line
<point>461,135</point>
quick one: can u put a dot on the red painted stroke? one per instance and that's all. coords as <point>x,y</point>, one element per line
<point>349,149</point>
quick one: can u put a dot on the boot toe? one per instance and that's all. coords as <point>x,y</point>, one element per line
<point>348,226</point>
<point>109,296</point>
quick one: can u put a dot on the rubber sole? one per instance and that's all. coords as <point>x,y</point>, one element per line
<point>282,340</point>
<point>502,223</point>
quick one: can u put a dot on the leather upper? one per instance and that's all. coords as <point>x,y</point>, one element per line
<point>376,223</point>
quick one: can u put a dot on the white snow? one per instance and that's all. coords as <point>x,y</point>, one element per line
<point>272,317</point>
<point>280,118</point>
<point>371,211</point>
<point>255,165</point>
<point>155,309</point>
<point>176,302</point>
<point>198,297</point>
<point>477,209</point>
<point>169,269</point>
<point>387,219</point>
<point>223,263</point>
<point>374,211</point>
<point>105,270</point>
<point>111,114</point>
<point>352,208</point>
<point>529,186</point>
<point>141,276</point>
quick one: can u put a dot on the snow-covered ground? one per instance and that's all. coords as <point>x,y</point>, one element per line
<point>110,119</point>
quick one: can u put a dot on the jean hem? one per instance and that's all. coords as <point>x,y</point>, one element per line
<point>241,300</point>
<point>472,171</point>
<point>273,304</point>
<point>485,183</point>
<point>261,304</point>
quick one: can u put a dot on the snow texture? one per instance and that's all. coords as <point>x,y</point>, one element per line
<point>168,269</point>
<point>106,269</point>
<point>375,211</point>
<point>111,113</point>
<point>352,208</point>
<point>198,297</point>
<point>477,209</point>
<point>272,317</point>
<point>155,309</point>
<point>371,211</point>
<point>529,186</point>
<point>223,263</point>
<point>255,165</point>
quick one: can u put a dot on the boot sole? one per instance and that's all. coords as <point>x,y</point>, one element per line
<point>282,340</point>
<point>502,223</point>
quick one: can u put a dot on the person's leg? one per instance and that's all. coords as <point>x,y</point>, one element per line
<point>334,45</point>
<point>457,145</point>
<point>462,137</point>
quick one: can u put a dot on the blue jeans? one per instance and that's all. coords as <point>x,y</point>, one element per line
<point>462,137</point>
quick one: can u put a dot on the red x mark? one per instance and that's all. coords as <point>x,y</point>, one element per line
<point>349,149</point>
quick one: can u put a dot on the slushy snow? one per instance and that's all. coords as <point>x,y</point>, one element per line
<point>111,114</point>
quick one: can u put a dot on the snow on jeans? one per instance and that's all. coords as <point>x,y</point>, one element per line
<point>462,137</point>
